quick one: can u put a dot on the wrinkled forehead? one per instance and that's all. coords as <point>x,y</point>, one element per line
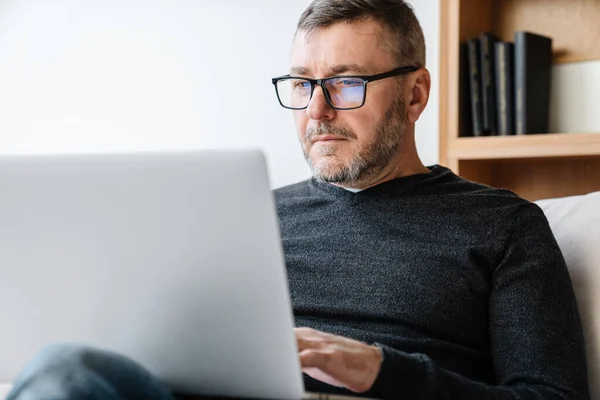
<point>341,48</point>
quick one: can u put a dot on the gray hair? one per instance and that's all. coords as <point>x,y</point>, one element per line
<point>404,36</point>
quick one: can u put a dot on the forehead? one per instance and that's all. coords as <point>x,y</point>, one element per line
<point>323,50</point>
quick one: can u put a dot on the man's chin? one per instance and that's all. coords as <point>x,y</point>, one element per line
<point>331,173</point>
<point>328,165</point>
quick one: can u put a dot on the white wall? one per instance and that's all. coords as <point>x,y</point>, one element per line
<point>108,75</point>
<point>427,128</point>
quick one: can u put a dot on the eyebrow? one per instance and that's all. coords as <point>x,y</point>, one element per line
<point>335,70</point>
<point>299,71</point>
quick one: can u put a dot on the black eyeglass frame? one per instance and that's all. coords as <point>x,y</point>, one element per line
<point>365,78</point>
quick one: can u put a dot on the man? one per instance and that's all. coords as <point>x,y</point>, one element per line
<point>406,281</point>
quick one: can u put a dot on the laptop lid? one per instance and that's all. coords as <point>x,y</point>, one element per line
<point>172,259</point>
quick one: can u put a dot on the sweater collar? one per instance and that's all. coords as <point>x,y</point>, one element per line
<point>397,186</point>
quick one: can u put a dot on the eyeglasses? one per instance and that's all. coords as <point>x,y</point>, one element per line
<point>341,92</point>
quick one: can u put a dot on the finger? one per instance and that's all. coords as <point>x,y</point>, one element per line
<point>307,338</point>
<point>310,343</point>
<point>307,332</point>
<point>314,359</point>
<point>314,335</point>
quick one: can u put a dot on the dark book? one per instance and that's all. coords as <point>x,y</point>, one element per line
<point>465,114</point>
<point>504,71</point>
<point>475,86</point>
<point>533,63</point>
<point>488,89</point>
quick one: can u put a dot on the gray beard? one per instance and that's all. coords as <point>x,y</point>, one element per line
<point>368,161</point>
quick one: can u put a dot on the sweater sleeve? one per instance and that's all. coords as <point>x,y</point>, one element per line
<point>535,336</point>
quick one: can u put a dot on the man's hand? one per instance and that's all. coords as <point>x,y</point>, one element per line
<point>337,360</point>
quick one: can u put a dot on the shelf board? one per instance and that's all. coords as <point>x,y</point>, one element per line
<point>555,145</point>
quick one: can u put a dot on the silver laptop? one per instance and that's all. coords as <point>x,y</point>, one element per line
<point>172,259</point>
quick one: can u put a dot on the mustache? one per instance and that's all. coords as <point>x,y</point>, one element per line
<point>328,130</point>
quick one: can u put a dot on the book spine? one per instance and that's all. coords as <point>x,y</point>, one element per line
<point>520,92</point>
<point>504,87</point>
<point>474,86</point>
<point>533,63</point>
<point>487,83</point>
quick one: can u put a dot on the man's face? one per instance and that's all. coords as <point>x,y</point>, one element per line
<point>349,146</point>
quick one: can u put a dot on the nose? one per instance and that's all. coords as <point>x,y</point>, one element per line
<point>318,108</point>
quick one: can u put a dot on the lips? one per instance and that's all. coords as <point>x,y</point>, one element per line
<point>326,138</point>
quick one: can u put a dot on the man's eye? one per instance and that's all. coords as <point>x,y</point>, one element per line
<point>350,82</point>
<point>302,85</point>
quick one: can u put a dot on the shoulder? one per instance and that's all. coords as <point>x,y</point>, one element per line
<point>497,211</point>
<point>477,196</point>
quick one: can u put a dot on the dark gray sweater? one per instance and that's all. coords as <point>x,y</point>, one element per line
<point>463,286</point>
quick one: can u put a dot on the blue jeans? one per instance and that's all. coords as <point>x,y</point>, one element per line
<point>72,372</point>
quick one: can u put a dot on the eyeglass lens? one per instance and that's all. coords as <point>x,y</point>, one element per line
<point>343,92</point>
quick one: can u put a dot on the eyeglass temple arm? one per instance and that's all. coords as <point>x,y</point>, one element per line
<point>394,72</point>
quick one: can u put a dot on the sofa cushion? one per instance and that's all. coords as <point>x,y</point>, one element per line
<point>575,222</point>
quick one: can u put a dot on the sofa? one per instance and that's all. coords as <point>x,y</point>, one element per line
<point>575,221</point>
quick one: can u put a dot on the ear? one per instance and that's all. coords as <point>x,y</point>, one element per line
<point>418,88</point>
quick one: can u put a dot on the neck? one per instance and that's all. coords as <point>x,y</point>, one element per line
<point>405,163</point>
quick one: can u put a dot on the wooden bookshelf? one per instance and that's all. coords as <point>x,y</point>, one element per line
<point>534,166</point>
<point>548,146</point>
